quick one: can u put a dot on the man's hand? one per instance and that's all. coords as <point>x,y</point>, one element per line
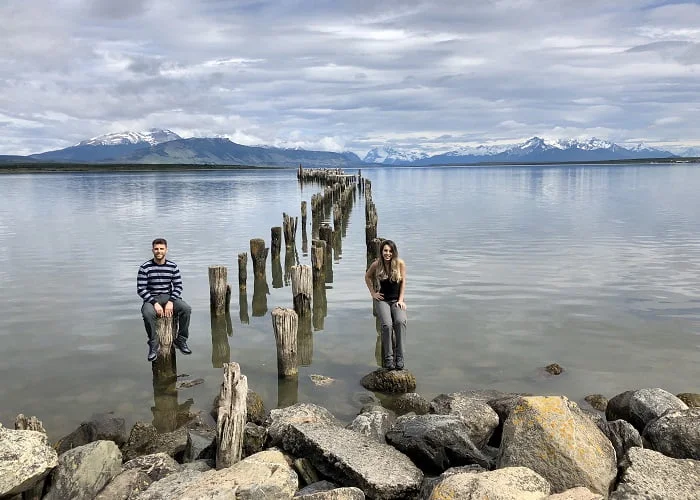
<point>159,309</point>
<point>169,310</point>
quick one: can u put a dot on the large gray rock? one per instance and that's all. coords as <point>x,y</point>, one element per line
<point>145,439</point>
<point>429,482</point>
<point>254,437</point>
<point>389,381</point>
<point>316,487</point>
<point>642,406</point>
<point>510,483</point>
<point>579,493</point>
<point>481,420</point>
<point>26,457</point>
<point>436,442</point>
<point>676,434</point>
<point>622,435</point>
<point>83,471</point>
<point>282,418</point>
<point>502,405</point>
<point>648,474</point>
<point>691,399</point>
<point>201,445</point>
<point>125,486</point>
<point>409,402</point>
<point>374,422</point>
<point>173,487</point>
<point>553,437</point>
<point>101,426</point>
<point>351,459</point>
<point>156,466</point>
<point>350,493</point>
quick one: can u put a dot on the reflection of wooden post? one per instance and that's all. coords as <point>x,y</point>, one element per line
<point>258,253</point>
<point>285,323</point>
<point>242,271</point>
<point>325,233</point>
<point>243,308</point>
<point>320,305</point>
<point>303,215</point>
<point>276,241</point>
<point>287,391</point>
<point>290,230</point>
<point>302,289</point>
<point>305,340</point>
<point>218,284</point>
<point>232,416</point>
<point>318,261</point>
<point>220,348</point>
<point>260,291</point>
<point>276,266</point>
<point>165,406</point>
<point>164,332</point>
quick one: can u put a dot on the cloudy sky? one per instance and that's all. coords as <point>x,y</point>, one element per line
<point>350,75</point>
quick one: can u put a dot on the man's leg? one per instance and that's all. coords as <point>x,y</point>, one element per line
<point>398,317</point>
<point>182,311</point>
<point>148,313</point>
<point>383,311</point>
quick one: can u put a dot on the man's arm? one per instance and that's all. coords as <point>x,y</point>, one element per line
<point>142,286</point>
<point>176,284</point>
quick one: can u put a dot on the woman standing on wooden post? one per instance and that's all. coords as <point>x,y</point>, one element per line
<point>386,281</point>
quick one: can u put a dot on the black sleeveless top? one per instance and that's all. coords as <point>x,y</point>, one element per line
<point>390,289</point>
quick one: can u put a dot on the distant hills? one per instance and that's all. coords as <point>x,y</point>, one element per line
<point>162,146</point>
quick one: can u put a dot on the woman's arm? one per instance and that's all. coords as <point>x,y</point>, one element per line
<point>369,278</point>
<point>402,288</point>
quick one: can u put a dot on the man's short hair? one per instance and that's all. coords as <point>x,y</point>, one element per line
<point>159,241</point>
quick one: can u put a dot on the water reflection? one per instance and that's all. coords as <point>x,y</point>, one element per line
<point>305,339</point>
<point>277,272</point>
<point>287,391</point>
<point>260,292</point>
<point>243,307</point>
<point>221,329</point>
<point>165,393</point>
<point>290,260</point>
<point>320,305</point>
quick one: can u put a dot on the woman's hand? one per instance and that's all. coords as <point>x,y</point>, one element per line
<point>377,295</point>
<point>401,304</point>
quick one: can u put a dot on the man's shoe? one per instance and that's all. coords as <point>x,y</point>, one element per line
<point>181,344</point>
<point>152,351</point>
<point>388,364</point>
<point>399,365</point>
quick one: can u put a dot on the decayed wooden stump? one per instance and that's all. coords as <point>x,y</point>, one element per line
<point>285,324</point>
<point>218,290</point>
<point>258,253</point>
<point>290,229</point>
<point>318,261</point>
<point>166,329</point>
<point>23,423</point>
<point>302,289</point>
<point>275,242</point>
<point>242,271</point>
<point>303,215</point>
<point>232,416</point>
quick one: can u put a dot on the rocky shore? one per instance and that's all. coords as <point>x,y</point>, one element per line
<point>474,444</point>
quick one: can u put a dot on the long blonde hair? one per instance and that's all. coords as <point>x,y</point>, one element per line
<point>380,272</point>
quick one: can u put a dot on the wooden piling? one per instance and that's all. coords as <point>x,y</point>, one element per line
<point>318,262</point>
<point>302,289</point>
<point>242,271</point>
<point>276,242</point>
<point>285,323</point>
<point>166,329</point>
<point>290,229</point>
<point>258,254</point>
<point>232,416</point>
<point>243,308</point>
<point>303,214</point>
<point>219,290</point>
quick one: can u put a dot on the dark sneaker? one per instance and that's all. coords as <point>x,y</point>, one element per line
<point>182,346</point>
<point>388,365</point>
<point>152,352</point>
<point>399,365</point>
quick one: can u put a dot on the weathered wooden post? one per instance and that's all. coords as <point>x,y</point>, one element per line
<point>285,323</point>
<point>302,289</point>
<point>276,242</point>
<point>290,230</point>
<point>232,416</point>
<point>219,290</point>
<point>258,253</point>
<point>220,348</point>
<point>290,259</point>
<point>303,214</point>
<point>166,329</point>
<point>304,236</point>
<point>318,262</point>
<point>326,234</point>
<point>242,271</point>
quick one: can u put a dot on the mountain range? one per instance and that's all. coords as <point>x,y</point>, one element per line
<point>162,146</point>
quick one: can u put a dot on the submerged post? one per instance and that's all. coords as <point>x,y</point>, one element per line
<point>285,324</point>
<point>258,253</point>
<point>275,242</point>
<point>232,416</point>
<point>242,271</point>
<point>219,290</point>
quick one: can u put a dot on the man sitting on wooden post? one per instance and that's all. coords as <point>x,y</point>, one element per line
<point>159,284</point>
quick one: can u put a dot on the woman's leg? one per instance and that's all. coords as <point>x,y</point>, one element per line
<point>383,310</point>
<point>398,320</point>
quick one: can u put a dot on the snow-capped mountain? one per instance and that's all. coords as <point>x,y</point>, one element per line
<point>690,152</point>
<point>152,137</point>
<point>534,150</point>
<point>391,156</point>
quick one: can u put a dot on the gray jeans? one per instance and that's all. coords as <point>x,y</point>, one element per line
<point>391,316</point>
<point>181,311</point>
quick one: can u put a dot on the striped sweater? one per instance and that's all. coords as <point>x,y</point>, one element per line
<point>156,279</point>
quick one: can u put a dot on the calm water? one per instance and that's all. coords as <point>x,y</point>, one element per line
<point>509,269</point>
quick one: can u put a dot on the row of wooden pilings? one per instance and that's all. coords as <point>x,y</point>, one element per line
<point>308,286</point>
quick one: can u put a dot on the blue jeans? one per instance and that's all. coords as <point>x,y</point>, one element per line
<point>181,311</point>
<point>391,317</point>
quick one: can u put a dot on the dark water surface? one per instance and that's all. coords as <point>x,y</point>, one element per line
<point>509,269</point>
